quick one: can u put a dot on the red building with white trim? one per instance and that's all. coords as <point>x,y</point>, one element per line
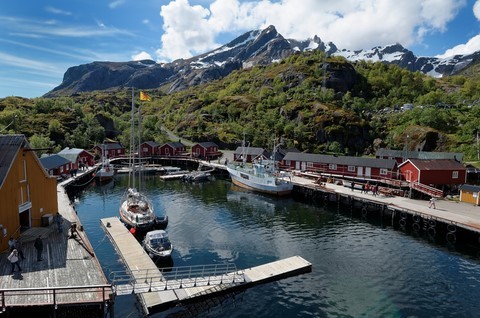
<point>206,150</point>
<point>112,149</point>
<point>149,148</point>
<point>434,172</point>
<point>342,166</point>
<point>172,149</point>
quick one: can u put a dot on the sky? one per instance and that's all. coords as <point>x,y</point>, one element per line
<point>41,39</point>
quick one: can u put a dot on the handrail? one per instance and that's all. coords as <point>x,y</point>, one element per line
<point>54,291</point>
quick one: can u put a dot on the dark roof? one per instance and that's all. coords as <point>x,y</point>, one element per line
<point>53,161</point>
<point>470,188</point>
<point>9,147</point>
<point>435,164</point>
<point>152,144</point>
<point>175,144</point>
<point>341,160</point>
<point>111,146</point>
<point>251,151</point>
<point>207,144</point>
<point>382,152</point>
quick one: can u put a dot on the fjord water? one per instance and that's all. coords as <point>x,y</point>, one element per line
<point>360,269</point>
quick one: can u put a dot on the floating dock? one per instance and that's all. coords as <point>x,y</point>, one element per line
<point>163,289</point>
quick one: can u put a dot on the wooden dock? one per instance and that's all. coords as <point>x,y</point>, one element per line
<point>68,274</point>
<point>158,290</point>
<point>460,214</point>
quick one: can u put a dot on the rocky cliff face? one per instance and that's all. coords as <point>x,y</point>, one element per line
<point>260,47</point>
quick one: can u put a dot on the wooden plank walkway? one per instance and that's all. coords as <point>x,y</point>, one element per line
<point>66,262</point>
<point>156,290</point>
<point>136,260</point>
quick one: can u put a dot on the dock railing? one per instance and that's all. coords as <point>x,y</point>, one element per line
<point>14,297</point>
<point>148,280</point>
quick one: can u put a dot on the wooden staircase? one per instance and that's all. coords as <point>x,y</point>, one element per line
<point>431,191</point>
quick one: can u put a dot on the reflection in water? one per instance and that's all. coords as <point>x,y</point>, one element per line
<point>359,269</point>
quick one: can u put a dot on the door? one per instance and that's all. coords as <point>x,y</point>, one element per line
<point>368,172</point>
<point>360,172</point>
<point>297,165</point>
<point>24,218</point>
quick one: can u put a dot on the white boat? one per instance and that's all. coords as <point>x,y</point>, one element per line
<point>106,171</point>
<point>262,175</point>
<point>157,244</point>
<point>136,210</point>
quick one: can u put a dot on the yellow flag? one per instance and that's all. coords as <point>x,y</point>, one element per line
<point>144,96</point>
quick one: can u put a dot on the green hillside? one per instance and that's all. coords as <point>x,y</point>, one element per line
<point>308,101</point>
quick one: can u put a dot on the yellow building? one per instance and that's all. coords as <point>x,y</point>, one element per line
<point>470,194</point>
<point>27,192</point>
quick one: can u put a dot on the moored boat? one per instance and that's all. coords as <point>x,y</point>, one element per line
<point>106,171</point>
<point>262,175</point>
<point>157,244</point>
<point>136,210</point>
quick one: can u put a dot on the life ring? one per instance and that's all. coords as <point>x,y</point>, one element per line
<point>416,226</point>
<point>451,228</point>
<point>364,211</point>
<point>451,237</point>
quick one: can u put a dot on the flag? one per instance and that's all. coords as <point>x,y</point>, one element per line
<point>144,96</point>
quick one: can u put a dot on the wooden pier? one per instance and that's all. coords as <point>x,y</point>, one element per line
<point>69,274</point>
<point>447,218</point>
<point>163,289</point>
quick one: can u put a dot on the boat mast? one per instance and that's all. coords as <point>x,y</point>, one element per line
<point>140,163</point>
<point>131,172</point>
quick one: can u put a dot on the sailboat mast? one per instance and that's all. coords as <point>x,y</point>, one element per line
<point>131,172</point>
<point>140,163</point>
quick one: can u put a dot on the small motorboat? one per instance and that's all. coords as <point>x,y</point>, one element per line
<point>161,222</point>
<point>157,244</point>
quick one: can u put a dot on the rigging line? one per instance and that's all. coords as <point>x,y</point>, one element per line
<point>84,184</point>
<point>101,242</point>
<point>5,128</point>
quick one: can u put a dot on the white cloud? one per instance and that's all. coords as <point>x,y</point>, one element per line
<point>142,56</point>
<point>186,30</point>
<point>116,4</point>
<point>471,46</point>
<point>57,11</point>
<point>192,29</point>
<point>476,10</point>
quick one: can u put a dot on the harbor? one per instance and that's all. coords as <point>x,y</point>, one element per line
<point>55,291</point>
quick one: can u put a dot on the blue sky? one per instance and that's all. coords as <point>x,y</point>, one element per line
<point>40,40</point>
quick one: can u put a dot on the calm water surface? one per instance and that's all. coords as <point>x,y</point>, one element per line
<point>359,269</point>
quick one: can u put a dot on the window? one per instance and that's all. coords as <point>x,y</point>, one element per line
<point>351,168</point>
<point>287,162</point>
<point>24,171</point>
<point>332,166</point>
<point>454,174</point>
<point>383,172</point>
<point>310,164</point>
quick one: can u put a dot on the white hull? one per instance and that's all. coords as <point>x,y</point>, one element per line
<point>265,183</point>
<point>137,212</point>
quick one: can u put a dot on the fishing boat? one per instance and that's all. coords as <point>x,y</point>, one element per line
<point>262,175</point>
<point>106,171</point>
<point>157,244</point>
<point>136,210</point>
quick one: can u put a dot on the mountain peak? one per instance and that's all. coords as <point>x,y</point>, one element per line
<point>257,47</point>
